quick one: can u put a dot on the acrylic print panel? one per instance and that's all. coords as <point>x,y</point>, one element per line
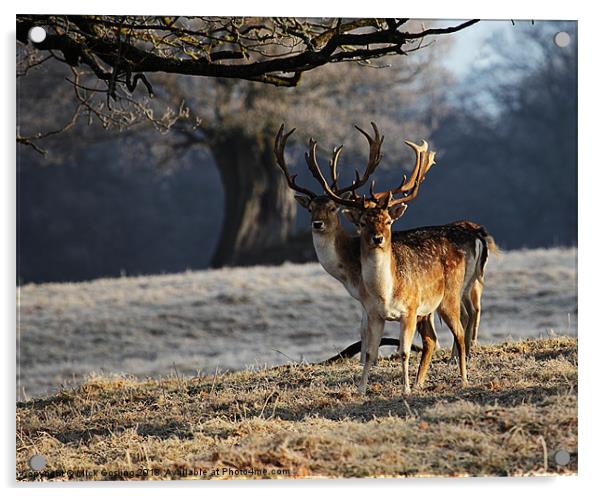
<point>204,294</point>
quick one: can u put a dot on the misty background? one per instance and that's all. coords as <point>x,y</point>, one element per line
<point>497,101</point>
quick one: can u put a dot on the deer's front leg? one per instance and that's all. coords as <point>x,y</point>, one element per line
<point>408,328</point>
<point>364,336</point>
<point>375,330</point>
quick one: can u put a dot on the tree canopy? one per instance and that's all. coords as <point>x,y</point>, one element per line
<point>123,50</point>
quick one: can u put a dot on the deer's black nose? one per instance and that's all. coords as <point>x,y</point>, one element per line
<point>317,224</point>
<point>378,239</point>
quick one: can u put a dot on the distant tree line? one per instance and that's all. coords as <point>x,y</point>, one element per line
<point>95,216</point>
<point>509,149</point>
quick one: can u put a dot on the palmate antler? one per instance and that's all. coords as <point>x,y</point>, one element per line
<point>280,144</point>
<point>408,188</point>
<point>385,199</point>
<point>332,190</point>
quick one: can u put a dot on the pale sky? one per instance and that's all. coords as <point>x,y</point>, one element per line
<point>468,43</point>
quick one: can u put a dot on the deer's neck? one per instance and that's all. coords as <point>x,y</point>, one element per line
<point>377,274</point>
<point>336,255</point>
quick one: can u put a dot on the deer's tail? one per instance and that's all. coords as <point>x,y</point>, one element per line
<point>488,246</point>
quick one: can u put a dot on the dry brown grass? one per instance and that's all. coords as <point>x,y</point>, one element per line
<point>309,421</point>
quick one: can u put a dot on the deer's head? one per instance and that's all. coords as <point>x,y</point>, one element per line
<point>374,223</point>
<point>323,212</point>
<point>323,209</point>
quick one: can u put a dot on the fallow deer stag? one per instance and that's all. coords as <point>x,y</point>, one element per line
<point>410,275</point>
<point>338,251</point>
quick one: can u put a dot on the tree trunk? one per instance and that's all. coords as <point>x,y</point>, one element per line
<point>259,208</point>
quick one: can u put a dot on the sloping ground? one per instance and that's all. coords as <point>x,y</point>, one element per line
<point>233,318</point>
<point>309,421</point>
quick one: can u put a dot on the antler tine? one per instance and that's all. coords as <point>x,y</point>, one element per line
<point>430,162</point>
<point>279,144</point>
<point>407,185</point>
<point>372,197</point>
<point>374,158</point>
<point>312,163</point>
<point>427,159</point>
<point>419,150</point>
<point>333,166</point>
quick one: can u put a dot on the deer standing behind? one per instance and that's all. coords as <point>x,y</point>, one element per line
<point>409,276</point>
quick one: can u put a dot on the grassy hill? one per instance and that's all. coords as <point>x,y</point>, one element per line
<point>303,420</point>
<point>239,316</point>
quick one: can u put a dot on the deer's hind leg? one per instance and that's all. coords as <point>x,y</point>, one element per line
<point>476,293</point>
<point>467,316</point>
<point>470,322</point>
<point>450,313</point>
<point>426,328</point>
<point>472,302</point>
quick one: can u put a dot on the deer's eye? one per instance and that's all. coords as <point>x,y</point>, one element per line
<point>333,209</point>
<point>389,222</point>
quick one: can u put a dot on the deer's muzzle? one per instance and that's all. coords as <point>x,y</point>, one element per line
<point>378,239</point>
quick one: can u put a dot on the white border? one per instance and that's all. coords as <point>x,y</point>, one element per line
<point>589,226</point>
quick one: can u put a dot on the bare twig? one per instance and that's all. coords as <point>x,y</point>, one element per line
<point>274,51</point>
<point>29,140</point>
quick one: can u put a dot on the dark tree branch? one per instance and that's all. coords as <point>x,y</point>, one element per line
<point>288,47</point>
<point>28,142</point>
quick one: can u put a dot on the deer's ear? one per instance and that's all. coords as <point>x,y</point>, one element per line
<point>304,201</point>
<point>397,211</point>
<point>353,215</point>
